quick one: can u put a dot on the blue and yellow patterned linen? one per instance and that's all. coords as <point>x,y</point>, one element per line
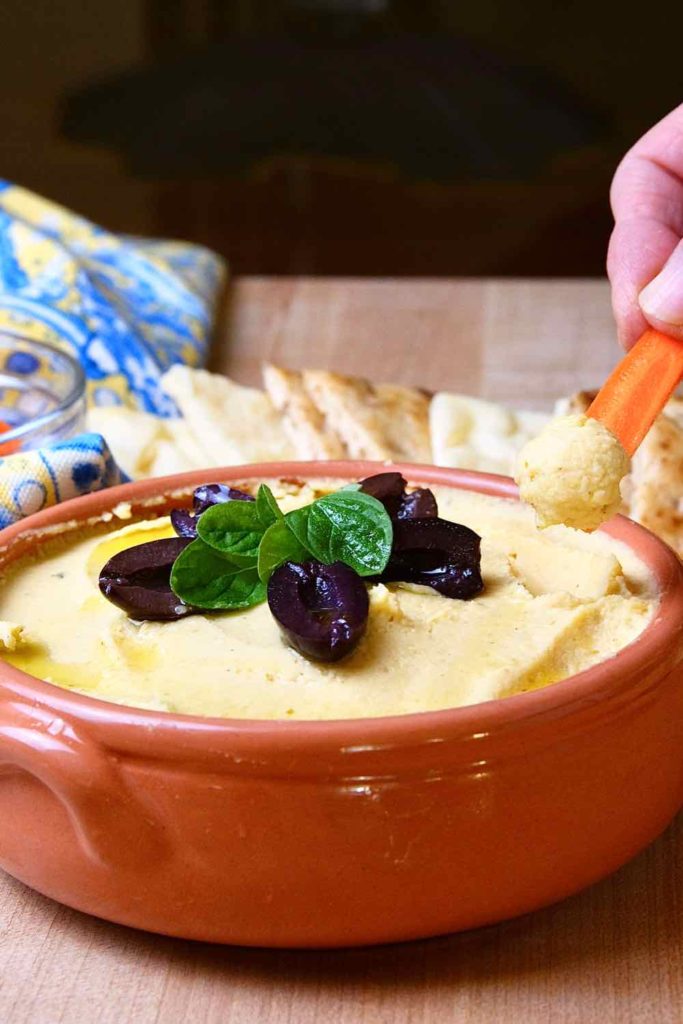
<point>129,308</point>
<point>35,479</point>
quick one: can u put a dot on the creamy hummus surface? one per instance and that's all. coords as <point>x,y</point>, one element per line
<point>554,603</point>
<point>571,473</point>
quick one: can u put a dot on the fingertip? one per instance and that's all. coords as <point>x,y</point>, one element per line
<point>661,301</point>
<point>638,249</point>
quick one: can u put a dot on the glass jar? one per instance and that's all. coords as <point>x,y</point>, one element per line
<point>42,394</point>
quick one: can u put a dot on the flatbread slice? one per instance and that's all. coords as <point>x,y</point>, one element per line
<point>674,409</point>
<point>175,451</point>
<point>472,433</point>
<point>145,445</point>
<point>306,426</point>
<point>132,435</point>
<point>229,423</point>
<point>382,422</point>
<point>655,486</point>
<point>404,415</point>
<point>574,404</point>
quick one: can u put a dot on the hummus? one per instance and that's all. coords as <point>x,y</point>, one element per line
<point>571,473</point>
<point>553,604</point>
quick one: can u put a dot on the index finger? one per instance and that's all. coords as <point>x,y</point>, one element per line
<point>647,202</point>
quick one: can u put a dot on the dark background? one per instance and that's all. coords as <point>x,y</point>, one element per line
<point>377,137</point>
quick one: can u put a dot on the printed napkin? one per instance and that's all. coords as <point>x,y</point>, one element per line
<point>128,308</point>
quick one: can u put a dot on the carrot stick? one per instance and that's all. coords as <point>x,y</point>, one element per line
<point>638,388</point>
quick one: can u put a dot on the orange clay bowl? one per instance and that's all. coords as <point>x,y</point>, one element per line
<point>339,833</point>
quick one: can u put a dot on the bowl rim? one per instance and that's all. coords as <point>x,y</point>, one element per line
<point>74,395</point>
<point>651,648</point>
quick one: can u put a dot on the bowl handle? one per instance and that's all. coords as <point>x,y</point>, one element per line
<point>111,824</point>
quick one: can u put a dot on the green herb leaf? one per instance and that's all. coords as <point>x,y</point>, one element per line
<point>234,529</point>
<point>277,546</point>
<point>297,521</point>
<point>267,507</point>
<point>347,526</point>
<point>351,487</point>
<point>203,578</point>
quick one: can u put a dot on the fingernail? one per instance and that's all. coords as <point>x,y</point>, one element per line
<point>662,298</point>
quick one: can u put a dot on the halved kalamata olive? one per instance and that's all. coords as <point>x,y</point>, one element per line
<point>418,504</point>
<point>438,554</point>
<point>322,610</point>
<point>390,489</point>
<point>137,580</point>
<point>216,494</point>
<point>185,522</point>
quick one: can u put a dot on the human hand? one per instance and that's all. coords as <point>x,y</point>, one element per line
<point>645,257</point>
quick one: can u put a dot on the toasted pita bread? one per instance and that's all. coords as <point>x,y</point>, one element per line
<point>404,415</point>
<point>145,445</point>
<point>306,426</point>
<point>229,423</point>
<point>655,486</point>
<point>382,422</point>
<point>471,433</point>
<point>574,404</point>
<point>175,451</point>
<point>580,402</point>
<point>132,436</point>
<point>674,409</point>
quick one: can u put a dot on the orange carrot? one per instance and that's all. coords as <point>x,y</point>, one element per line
<point>638,388</point>
<point>9,446</point>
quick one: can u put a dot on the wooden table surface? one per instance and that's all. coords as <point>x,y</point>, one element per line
<point>611,955</point>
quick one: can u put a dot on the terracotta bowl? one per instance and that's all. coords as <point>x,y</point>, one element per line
<point>346,832</point>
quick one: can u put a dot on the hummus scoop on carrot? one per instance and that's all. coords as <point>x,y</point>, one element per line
<point>571,473</point>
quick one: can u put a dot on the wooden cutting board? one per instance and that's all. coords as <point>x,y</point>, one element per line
<point>612,955</point>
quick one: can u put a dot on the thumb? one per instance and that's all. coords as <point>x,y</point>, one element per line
<point>662,299</point>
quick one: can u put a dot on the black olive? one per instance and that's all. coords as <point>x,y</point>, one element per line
<point>216,494</point>
<point>137,580</point>
<point>390,489</point>
<point>184,523</point>
<point>418,504</point>
<point>438,554</point>
<point>322,610</point>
